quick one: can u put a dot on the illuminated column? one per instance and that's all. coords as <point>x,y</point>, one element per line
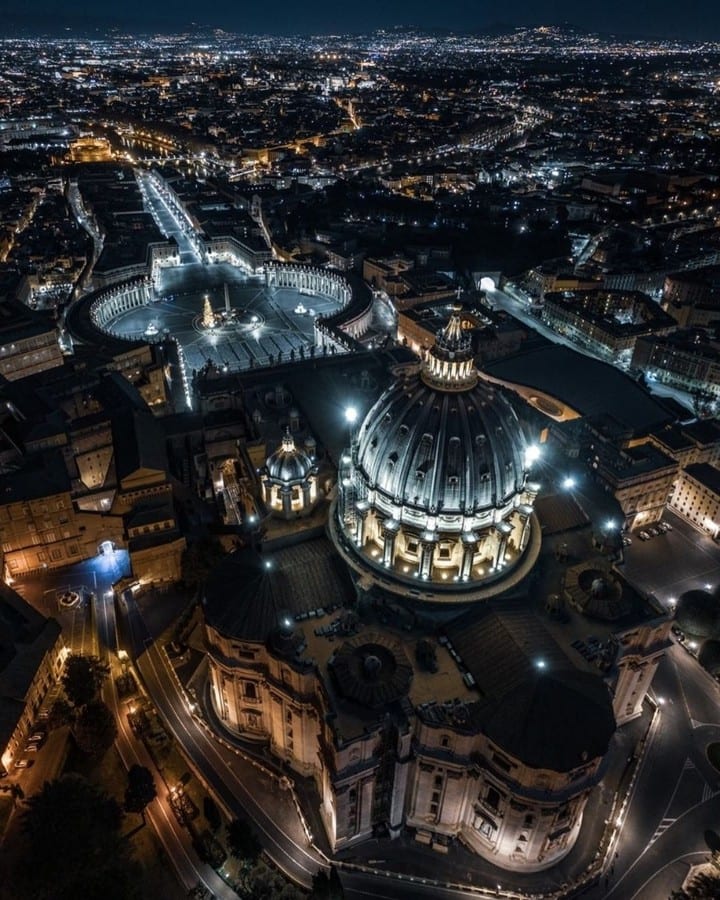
<point>390,528</point>
<point>503,531</point>
<point>306,495</point>
<point>469,541</point>
<point>362,513</point>
<point>427,548</point>
<point>530,493</point>
<point>525,513</point>
<point>286,498</point>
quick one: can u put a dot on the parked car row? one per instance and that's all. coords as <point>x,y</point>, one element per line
<point>655,531</point>
<point>33,744</point>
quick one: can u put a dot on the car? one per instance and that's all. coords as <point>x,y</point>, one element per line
<point>644,536</point>
<point>31,748</point>
<point>626,541</point>
<point>668,526</point>
<point>23,763</point>
<point>37,737</point>
<point>653,531</point>
<point>678,632</point>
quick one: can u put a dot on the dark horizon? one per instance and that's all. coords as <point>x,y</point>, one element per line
<point>699,22</point>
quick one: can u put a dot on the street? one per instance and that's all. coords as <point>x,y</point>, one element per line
<point>171,221</point>
<point>240,786</point>
<point>509,301</point>
<point>677,796</point>
<point>674,801</point>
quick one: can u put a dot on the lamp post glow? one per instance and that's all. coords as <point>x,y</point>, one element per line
<point>532,455</point>
<point>568,483</point>
<point>351,417</point>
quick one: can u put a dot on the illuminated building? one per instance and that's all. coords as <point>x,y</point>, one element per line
<point>31,662</point>
<point>434,491</point>
<point>486,733</point>
<point>289,481</point>
<point>481,731</point>
<point>696,497</point>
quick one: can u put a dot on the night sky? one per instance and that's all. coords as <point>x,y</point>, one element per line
<point>665,18</point>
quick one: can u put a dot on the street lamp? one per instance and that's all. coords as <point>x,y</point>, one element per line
<point>568,483</point>
<point>532,455</point>
<point>351,415</point>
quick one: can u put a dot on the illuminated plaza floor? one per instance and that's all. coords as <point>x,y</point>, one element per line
<point>267,322</point>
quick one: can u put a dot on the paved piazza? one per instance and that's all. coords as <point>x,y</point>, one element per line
<point>264,321</point>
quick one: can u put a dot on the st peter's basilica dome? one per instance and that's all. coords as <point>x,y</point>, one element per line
<point>434,488</point>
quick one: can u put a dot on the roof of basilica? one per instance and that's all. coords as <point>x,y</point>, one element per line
<point>248,593</point>
<point>532,701</point>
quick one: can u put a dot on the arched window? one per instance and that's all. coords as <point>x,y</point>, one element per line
<point>492,798</point>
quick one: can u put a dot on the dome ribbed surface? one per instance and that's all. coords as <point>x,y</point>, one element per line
<point>289,463</point>
<point>439,450</point>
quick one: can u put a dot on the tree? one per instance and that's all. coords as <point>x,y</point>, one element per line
<point>242,841</point>
<point>95,728</point>
<point>83,678</point>
<point>263,882</point>
<point>140,790</point>
<point>60,713</point>
<point>73,846</point>
<point>704,886</point>
<point>327,886</point>
<point>212,813</point>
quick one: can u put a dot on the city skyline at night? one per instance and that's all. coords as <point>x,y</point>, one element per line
<point>699,20</point>
<point>360,452</point>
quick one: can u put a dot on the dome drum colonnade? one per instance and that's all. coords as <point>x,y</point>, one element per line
<point>435,484</point>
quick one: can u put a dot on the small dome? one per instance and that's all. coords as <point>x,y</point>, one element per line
<point>289,464</point>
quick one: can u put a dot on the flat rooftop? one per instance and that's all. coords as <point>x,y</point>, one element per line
<point>587,385</point>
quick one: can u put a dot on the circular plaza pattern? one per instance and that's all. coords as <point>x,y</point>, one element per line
<point>254,324</point>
